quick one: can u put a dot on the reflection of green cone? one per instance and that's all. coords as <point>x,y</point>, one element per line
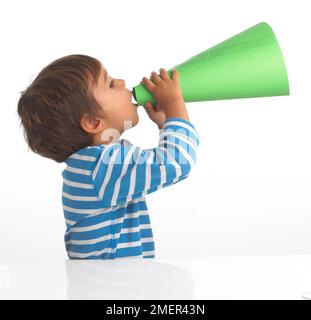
<point>250,64</point>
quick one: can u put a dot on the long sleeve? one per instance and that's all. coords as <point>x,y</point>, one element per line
<point>127,172</point>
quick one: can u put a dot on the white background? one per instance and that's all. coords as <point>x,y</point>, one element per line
<point>249,193</point>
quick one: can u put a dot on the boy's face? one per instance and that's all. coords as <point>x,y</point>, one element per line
<point>116,101</point>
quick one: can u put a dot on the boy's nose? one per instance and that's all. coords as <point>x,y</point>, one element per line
<point>122,82</point>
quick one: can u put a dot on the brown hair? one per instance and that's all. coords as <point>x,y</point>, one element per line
<point>51,107</point>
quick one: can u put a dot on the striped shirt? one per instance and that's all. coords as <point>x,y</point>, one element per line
<point>105,188</point>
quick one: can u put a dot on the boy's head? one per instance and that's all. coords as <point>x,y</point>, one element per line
<point>74,103</point>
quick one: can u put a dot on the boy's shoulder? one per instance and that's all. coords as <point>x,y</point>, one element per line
<point>92,153</point>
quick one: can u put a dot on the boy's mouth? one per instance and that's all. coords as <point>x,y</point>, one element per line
<point>133,100</point>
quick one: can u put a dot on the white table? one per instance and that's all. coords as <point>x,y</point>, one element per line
<point>242,277</point>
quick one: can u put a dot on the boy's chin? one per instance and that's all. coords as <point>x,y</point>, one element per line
<point>135,121</point>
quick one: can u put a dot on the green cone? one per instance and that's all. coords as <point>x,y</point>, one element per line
<point>249,64</point>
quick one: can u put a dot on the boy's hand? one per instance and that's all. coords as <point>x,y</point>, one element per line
<point>168,94</point>
<point>156,116</point>
<point>165,90</point>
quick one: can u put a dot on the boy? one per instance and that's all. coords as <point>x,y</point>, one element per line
<point>74,112</point>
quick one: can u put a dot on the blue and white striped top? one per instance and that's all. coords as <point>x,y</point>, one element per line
<point>104,190</point>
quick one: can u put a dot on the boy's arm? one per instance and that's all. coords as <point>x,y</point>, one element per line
<point>124,173</point>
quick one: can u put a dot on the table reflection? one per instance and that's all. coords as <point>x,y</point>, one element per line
<point>127,279</point>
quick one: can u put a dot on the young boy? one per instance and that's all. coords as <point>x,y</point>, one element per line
<point>74,112</point>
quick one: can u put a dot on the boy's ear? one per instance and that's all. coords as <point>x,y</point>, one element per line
<point>91,124</point>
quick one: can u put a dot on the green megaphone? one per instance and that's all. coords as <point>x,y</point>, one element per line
<point>249,64</point>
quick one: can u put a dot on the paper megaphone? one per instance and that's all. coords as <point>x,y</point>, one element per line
<point>250,64</point>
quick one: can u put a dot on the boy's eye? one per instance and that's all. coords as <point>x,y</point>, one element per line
<point>111,84</point>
